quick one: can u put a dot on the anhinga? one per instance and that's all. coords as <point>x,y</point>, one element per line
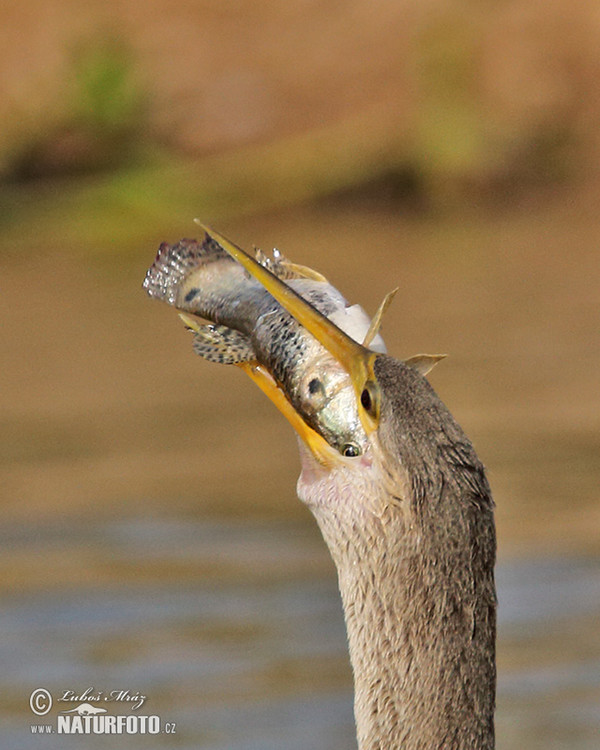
<point>409,523</point>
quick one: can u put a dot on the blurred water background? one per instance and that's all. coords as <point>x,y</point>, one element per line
<point>151,537</point>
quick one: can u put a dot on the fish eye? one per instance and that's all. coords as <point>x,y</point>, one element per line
<point>351,450</point>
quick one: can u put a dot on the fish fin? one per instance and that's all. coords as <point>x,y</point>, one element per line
<point>223,345</point>
<point>424,363</point>
<point>220,344</point>
<point>174,262</point>
<point>274,265</point>
<point>297,271</point>
<point>192,324</point>
<point>263,258</point>
<point>284,269</point>
<point>377,320</point>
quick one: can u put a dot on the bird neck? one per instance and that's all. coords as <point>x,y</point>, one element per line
<point>420,617</point>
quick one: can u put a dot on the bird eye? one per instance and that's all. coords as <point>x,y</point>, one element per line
<point>369,399</point>
<point>351,450</point>
<point>365,399</point>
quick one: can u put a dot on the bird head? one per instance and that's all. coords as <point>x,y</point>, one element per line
<point>358,362</point>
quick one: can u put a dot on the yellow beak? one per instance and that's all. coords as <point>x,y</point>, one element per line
<point>318,446</point>
<point>354,358</point>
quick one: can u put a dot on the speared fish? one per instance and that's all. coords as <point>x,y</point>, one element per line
<point>249,328</point>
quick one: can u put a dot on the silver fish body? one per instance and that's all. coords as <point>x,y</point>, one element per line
<point>248,324</point>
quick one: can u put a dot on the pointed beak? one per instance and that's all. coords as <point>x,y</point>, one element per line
<point>318,446</point>
<point>356,359</point>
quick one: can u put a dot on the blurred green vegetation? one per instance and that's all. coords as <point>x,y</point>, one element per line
<point>95,122</point>
<point>106,96</point>
<point>96,176</point>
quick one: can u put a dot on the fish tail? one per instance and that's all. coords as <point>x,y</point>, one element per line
<point>174,262</point>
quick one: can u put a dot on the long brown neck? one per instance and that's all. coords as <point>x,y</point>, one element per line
<point>421,631</point>
<point>411,530</point>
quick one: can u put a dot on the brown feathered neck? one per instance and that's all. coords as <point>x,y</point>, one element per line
<point>410,527</point>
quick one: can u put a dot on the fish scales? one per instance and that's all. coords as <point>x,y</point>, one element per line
<point>247,323</point>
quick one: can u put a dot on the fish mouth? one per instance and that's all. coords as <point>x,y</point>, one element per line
<point>354,358</point>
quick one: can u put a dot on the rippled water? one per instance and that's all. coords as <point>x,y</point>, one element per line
<point>255,660</point>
